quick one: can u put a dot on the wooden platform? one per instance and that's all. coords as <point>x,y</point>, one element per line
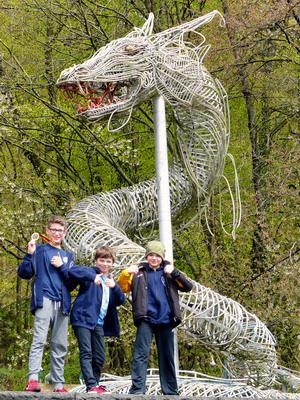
<point>49,387</point>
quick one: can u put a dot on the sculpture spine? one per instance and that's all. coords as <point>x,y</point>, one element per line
<point>129,71</point>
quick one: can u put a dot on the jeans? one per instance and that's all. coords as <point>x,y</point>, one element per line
<point>164,337</point>
<point>91,353</point>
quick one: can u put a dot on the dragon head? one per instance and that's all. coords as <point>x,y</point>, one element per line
<point>128,71</point>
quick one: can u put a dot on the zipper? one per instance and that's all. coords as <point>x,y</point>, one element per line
<point>34,268</point>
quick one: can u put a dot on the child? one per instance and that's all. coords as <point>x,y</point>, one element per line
<point>94,315</point>
<point>155,307</point>
<point>50,302</point>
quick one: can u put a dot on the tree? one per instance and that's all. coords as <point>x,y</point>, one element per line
<point>49,160</point>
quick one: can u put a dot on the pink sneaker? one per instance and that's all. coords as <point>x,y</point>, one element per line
<point>98,389</point>
<point>32,386</point>
<point>63,390</point>
<point>102,389</point>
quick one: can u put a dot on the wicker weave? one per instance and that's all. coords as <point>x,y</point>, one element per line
<point>142,65</point>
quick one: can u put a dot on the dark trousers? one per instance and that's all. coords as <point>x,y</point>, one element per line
<point>91,353</point>
<point>164,337</point>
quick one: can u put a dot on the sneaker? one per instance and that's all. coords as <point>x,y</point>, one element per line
<point>98,389</point>
<point>32,386</point>
<point>102,389</point>
<point>63,390</point>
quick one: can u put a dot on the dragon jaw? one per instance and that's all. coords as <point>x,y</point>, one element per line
<point>97,101</point>
<point>128,71</point>
<point>111,81</point>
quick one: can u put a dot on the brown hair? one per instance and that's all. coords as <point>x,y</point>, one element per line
<point>105,252</point>
<point>56,219</point>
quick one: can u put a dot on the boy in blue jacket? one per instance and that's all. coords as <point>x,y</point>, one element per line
<point>50,302</point>
<point>94,315</point>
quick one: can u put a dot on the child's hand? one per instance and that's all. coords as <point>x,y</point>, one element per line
<point>110,282</point>
<point>56,260</point>
<point>98,280</point>
<point>31,247</point>
<point>168,268</point>
<point>133,269</point>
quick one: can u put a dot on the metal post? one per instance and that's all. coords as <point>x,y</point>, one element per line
<point>163,188</point>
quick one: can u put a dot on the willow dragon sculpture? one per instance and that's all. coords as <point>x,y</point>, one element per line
<point>109,86</point>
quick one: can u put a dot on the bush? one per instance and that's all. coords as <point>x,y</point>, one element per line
<point>13,379</point>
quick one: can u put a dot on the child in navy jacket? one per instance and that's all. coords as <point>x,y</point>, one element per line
<point>50,301</point>
<point>156,312</point>
<point>94,315</point>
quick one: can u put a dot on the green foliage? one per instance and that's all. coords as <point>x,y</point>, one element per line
<point>12,379</point>
<point>49,160</point>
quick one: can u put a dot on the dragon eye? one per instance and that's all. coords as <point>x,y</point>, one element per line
<point>133,48</point>
<point>130,47</point>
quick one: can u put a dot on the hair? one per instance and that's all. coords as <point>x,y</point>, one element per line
<point>105,252</point>
<point>56,219</point>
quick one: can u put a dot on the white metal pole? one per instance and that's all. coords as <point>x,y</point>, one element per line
<point>163,188</point>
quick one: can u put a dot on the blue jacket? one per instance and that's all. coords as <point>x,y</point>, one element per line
<point>138,285</point>
<point>158,307</point>
<point>32,265</point>
<point>87,305</point>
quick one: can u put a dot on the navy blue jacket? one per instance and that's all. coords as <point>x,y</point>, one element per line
<point>158,307</point>
<point>87,305</point>
<point>138,285</point>
<point>32,265</point>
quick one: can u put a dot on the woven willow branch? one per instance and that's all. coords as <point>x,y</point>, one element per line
<point>118,78</point>
<point>194,384</point>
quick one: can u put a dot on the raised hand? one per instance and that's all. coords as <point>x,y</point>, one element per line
<point>31,246</point>
<point>56,260</point>
<point>110,281</point>
<point>168,268</point>
<point>98,280</point>
<point>133,269</point>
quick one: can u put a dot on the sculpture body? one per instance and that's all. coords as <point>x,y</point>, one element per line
<point>117,79</point>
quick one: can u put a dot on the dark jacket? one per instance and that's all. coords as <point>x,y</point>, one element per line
<point>32,265</point>
<point>87,305</point>
<point>137,283</point>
